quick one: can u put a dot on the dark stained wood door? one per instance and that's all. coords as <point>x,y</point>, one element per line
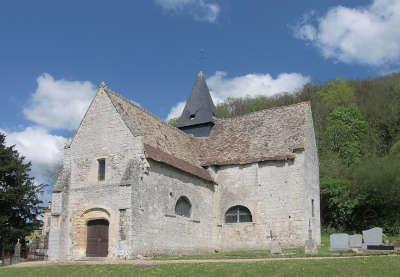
<point>97,238</point>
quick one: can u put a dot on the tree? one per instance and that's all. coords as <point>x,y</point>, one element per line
<point>379,102</point>
<point>19,198</point>
<point>337,93</point>
<point>378,180</point>
<point>347,134</point>
<point>338,201</point>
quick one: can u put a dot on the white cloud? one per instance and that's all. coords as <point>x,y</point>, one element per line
<point>176,110</point>
<point>364,35</point>
<point>56,104</point>
<point>59,104</point>
<point>44,150</point>
<point>257,84</point>
<point>200,10</point>
<point>251,85</point>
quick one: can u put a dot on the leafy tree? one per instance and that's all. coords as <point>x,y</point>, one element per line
<point>331,165</point>
<point>347,134</point>
<point>338,201</point>
<point>378,180</point>
<point>337,93</point>
<point>19,198</point>
<point>379,102</point>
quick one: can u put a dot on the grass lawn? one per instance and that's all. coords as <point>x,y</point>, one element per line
<point>370,266</point>
<point>323,251</point>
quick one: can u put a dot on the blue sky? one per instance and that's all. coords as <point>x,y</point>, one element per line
<point>148,51</point>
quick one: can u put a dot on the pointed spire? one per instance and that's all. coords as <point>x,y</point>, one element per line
<point>103,86</point>
<point>200,75</point>
<point>199,109</point>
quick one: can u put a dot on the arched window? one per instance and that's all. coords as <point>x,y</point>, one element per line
<point>238,214</point>
<point>183,206</point>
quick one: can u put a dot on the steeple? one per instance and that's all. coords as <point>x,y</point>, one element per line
<point>197,116</point>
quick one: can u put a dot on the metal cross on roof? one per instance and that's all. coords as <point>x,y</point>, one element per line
<point>202,58</point>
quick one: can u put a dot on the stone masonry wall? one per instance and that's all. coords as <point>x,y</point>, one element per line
<point>274,193</point>
<point>157,229</point>
<point>58,239</point>
<point>311,177</point>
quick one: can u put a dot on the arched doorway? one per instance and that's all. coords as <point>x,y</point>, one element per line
<point>97,238</point>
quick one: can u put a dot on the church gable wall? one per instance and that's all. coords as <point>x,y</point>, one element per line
<point>102,135</point>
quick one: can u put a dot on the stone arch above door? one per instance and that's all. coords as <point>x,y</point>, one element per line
<point>79,225</point>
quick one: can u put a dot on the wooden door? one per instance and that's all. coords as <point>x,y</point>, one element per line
<point>97,238</point>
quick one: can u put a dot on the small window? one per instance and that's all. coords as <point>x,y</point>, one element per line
<point>192,116</point>
<point>102,169</point>
<point>122,224</point>
<point>238,214</point>
<point>183,207</point>
<point>312,208</point>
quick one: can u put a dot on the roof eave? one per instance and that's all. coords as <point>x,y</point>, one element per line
<point>163,157</point>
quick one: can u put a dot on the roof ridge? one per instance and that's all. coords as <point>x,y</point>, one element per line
<point>261,111</point>
<point>108,90</point>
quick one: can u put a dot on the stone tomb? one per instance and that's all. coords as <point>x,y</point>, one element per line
<point>339,242</point>
<point>355,241</point>
<point>372,237</point>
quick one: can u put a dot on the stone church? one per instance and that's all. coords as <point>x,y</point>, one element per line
<point>133,185</point>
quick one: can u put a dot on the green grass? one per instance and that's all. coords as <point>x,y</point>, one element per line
<point>323,251</point>
<point>370,266</point>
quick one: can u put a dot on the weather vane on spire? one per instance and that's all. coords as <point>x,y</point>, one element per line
<point>202,58</point>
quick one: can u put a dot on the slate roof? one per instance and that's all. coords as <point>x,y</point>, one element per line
<point>199,108</point>
<point>271,134</point>
<point>163,157</point>
<point>162,142</point>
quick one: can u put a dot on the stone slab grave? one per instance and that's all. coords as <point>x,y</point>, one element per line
<point>355,241</point>
<point>339,242</point>
<point>372,236</point>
